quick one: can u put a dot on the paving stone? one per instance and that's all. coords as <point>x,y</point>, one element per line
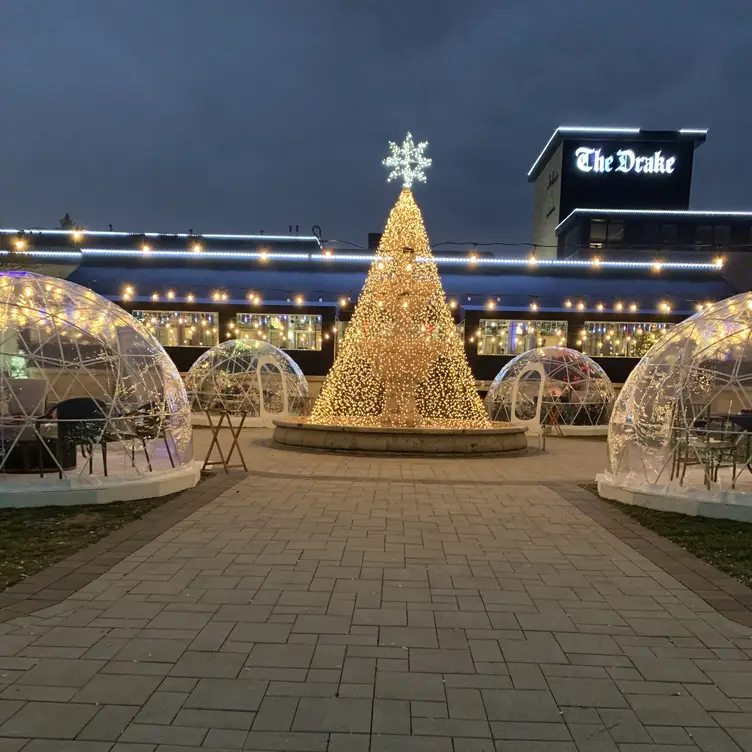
<point>656,710</point>
<point>733,683</point>
<point>161,708</point>
<point>520,705</point>
<point>713,740</point>
<point>61,672</point>
<point>48,720</point>
<point>276,714</point>
<point>286,741</point>
<point>224,739</point>
<point>226,694</point>
<point>164,735</point>
<point>109,723</point>
<point>349,742</point>
<point>391,717</point>
<point>395,685</point>
<point>536,746</point>
<point>530,731</point>
<point>441,661</point>
<point>408,637</point>
<point>669,669</point>
<point>48,745</point>
<point>592,737</point>
<point>587,693</point>
<point>465,703</point>
<point>226,719</point>
<point>425,709</point>
<point>281,656</point>
<point>359,670</point>
<point>333,715</point>
<point>210,665</point>
<point>538,647</point>
<point>255,632</point>
<point>152,650</point>
<point>8,708</point>
<point>312,624</point>
<point>624,726</point>
<point>389,743</point>
<point>118,689</point>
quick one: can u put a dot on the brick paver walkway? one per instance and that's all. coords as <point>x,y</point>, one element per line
<point>354,604</point>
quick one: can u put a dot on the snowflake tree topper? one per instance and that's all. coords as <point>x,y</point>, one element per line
<point>407,161</point>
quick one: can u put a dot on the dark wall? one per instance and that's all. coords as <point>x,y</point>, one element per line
<point>629,190</point>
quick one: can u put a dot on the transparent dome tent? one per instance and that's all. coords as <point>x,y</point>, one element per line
<point>247,376</point>
<point>680,436</point>
<point>553,386</point>
<point>91,407</point>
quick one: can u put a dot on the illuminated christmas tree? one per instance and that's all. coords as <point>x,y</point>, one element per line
<point>402,362</point>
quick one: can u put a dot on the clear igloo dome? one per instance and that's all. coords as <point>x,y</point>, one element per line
<point>682,424</point>
<point>569,389</point>
<point>248,376</point>
<point>86,394</point>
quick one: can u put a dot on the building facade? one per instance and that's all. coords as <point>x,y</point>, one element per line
<point>607,280</point>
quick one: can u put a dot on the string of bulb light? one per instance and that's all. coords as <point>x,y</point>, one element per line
<point>343,302</point>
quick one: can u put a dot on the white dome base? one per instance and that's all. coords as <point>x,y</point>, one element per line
<point>575,431</point>
<point>695,502</point>
<point>33,491</point>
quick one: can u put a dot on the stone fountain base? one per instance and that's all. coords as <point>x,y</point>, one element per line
<point>497,439</point>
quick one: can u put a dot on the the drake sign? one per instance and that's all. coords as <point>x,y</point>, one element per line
<point>588,159</point>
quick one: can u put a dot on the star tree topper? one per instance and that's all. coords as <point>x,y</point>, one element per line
<point>407,161</point>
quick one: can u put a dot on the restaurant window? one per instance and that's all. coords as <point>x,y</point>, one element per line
<point>512,337</point>
<point>181,328</point>
<point>721,235</point>
<point>650,233</point>
<point>598,232</point>
<point>288,331</point>
<point>618,339</point>
<point>615,232</point>
<point>703,235</point>
<point>669,233</point>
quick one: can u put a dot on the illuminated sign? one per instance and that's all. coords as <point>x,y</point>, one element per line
<point>625,160</point>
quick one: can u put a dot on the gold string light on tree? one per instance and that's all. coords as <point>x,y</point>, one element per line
<point>402,362</point>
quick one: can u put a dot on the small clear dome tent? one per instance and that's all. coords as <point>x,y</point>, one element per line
<point>247,376</point>
<point>554,386</point>
<point>92,409</point>
<point>680,436</point>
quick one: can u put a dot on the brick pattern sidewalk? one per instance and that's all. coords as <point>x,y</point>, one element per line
<point>356,614</point>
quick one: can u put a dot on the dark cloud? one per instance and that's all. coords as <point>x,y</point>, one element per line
<point>248,114</point>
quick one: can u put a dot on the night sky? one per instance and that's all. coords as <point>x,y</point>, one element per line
<point>248,115</point>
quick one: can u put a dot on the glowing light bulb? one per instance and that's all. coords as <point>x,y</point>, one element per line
<point>567,303</point>
<point>171,294</point>
<point>633,307</point>
<point>452,304</point>
<point>533,306</point>
<point>155,297</point>
<point>490,305</point>
<point>197,247</point>
<point>619,306</point>
<point>145,248</point>
<point>190,297</point>
<point>600,306</point>
<point>76,235</point>
<point>20,244</point>
<point>299,300</point>
<point>580,306</point>
<point>343,302</point>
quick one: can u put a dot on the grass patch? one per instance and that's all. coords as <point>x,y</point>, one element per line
<point>726,544</point>
<point>33,538</point>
